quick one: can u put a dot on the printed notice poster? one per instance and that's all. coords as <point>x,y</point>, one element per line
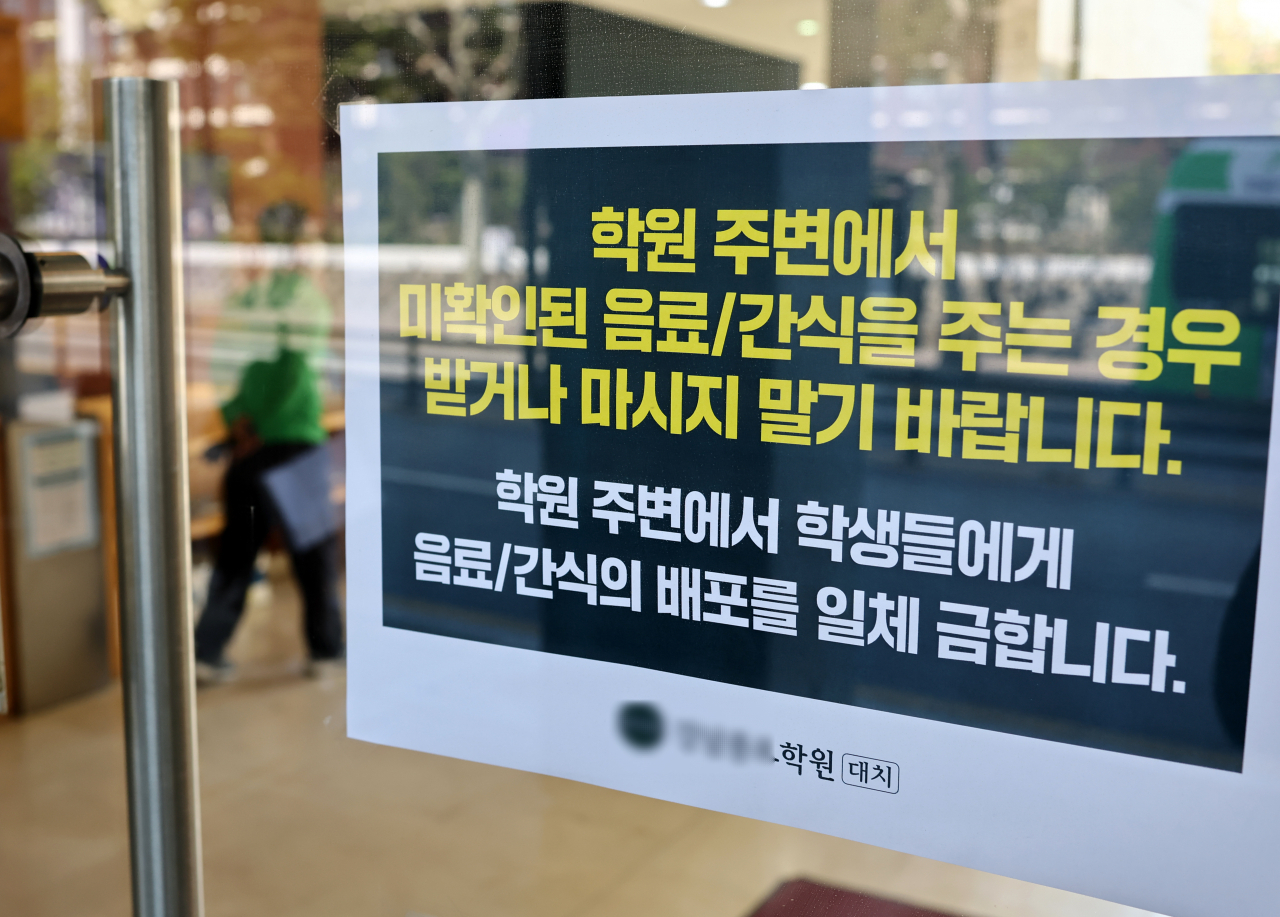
<point>887,463</point>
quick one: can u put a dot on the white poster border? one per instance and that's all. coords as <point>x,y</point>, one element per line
<point>1174,838</point>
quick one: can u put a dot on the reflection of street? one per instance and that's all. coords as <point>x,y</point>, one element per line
<point>1151,552</point>
<point>1083,362</point>
<point>453,476</point>
<point>1069,286</point>
<point>1195,577</point>
<point>1134,565</point>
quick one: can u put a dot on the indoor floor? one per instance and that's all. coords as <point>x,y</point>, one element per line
<point>300,821</point>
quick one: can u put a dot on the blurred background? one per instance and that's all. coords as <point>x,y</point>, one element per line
<point>298,820</point>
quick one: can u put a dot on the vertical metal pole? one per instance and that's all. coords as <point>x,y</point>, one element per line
<point>151,481</point>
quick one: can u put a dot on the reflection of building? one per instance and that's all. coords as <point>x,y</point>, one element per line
<point>250,75</point>
<point>895,42</point>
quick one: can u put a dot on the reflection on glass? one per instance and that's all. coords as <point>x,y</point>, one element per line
<point>1065,228</point>
<point>990,380</point>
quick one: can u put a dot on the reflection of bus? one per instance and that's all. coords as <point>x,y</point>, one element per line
<point>1217,246</point>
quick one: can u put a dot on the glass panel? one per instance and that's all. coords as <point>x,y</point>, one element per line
<point>63,825</point>
<point>298,818</point>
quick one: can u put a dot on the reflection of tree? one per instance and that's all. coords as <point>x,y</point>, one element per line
<point>1034,185</point>
<point>472,72</point>
<point>455,54</point>
<point>462,54</point>
<point>51,185</point>
<point>32,163</point>
<point>481,54</point>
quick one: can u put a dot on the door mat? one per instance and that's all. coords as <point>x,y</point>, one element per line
<point>802,898</point>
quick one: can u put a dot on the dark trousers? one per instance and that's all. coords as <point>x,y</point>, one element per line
<point>251,514</point>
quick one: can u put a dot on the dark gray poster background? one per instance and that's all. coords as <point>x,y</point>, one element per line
<point>1131,531</point>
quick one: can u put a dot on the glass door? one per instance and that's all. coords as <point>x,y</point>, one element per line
<point>1057,244</point>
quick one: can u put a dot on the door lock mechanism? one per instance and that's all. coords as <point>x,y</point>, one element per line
<point>37,284</point>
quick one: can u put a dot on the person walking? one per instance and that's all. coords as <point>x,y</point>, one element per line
<point>279,474</point>
<point>276,469</point>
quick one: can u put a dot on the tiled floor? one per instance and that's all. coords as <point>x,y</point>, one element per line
<point>300,821</point>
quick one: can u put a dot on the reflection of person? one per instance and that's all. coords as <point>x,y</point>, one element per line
<point>278,477</point>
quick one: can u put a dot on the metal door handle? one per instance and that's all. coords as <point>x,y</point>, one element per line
<point>36,284</point>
